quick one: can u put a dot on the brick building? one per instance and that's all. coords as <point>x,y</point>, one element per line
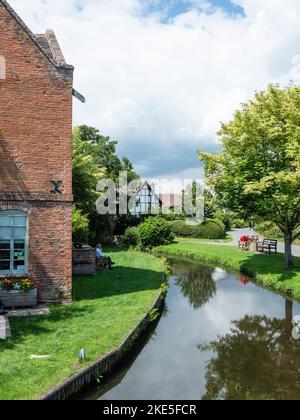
<point>36,89</point>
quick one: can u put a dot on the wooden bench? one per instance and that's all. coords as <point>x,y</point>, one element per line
<point>268,245</point>
<point>101,262</point>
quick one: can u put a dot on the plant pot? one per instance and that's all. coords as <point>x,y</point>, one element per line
<point>19,298</point>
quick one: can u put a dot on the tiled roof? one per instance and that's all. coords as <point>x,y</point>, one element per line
<point>172,200</point>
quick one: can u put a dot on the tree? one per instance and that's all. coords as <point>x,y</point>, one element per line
<point>86,174</point>
<point>80,228</point>
<point>103,151</point>
<point>258,172</point>
<point>256,360</point>
<point>95,158</point>
<point>196,283</point>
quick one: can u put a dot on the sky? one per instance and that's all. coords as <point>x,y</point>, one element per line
<point>160,75</point>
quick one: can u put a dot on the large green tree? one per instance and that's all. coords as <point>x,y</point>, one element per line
<point>94,158</point>
<point>257,172</point>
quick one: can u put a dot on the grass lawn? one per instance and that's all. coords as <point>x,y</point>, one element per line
<point>226,240</point>
<point>106,308</point>
<point>270,271</point>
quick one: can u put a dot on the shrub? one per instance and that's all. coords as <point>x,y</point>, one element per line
<point>211,229</point>
<point>239,223</point>
<point>80,228</point>
<point>226,219</point>
<point>154,231</point>
<point>181,229</point>
<point>218,222</point>
<point>172,216</point>
<point>130,237</point>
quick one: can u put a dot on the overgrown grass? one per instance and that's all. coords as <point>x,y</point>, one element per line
<point>107,307</point>
<point>268,270</point>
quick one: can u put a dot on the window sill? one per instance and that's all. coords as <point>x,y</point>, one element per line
<point>15,276</point>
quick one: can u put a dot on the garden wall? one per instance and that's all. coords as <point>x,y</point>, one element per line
<point>84,262</point>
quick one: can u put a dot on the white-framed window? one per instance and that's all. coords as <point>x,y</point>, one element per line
<point>13,242</point>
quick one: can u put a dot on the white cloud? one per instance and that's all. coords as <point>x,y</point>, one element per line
<point>162,89</point>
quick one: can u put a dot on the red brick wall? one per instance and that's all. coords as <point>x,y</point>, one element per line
<point>35,148</point>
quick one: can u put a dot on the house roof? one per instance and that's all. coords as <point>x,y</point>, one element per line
<point>171,200</point>
<point>47,43</point>
<point>139,188</point>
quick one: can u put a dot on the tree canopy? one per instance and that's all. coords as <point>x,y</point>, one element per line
<point>257,172</point>
<point>94,158</point>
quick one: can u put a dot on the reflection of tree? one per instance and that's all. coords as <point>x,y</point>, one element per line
<point>196,283</point>
<point>257,360</point>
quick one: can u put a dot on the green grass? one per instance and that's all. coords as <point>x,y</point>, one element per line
<point>226,240</point>
<point>107,307</point>
<point>269,271</point>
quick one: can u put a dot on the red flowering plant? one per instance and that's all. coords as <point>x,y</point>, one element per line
<point>245,238</point>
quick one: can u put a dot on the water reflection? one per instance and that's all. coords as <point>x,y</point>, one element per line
<point>222,337</point>
<point>196,283</point>
<point>243,281</point>
<point>257,360</point>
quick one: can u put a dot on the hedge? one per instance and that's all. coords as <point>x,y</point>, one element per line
<point>211,229</point>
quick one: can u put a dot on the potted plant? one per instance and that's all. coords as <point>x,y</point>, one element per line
<point>244,243</point>
<point>18,293</point>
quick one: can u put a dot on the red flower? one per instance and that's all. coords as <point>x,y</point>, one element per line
<point>245,238</point>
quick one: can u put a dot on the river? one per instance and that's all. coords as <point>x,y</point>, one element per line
<point>220,337</point>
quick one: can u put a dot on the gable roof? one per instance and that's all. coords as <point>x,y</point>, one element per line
<point>141,187</point>
<point>46,43</point>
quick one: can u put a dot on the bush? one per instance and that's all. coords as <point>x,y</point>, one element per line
<point>172,216</point>
<point>239,224</point>
<point>154,231</point>
<point>130,237</point>
<point>126,221</point>
<point>181,229</point>
<point>211,229</point>
<point>80,228</point>
<point>269,230</point>
<point>226,219</point>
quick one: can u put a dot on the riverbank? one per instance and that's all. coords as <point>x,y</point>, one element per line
<point>227,240</point>
<point>106,308</point>
<point>269,271</point>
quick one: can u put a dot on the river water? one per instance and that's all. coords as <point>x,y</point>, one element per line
<point>220,337</point>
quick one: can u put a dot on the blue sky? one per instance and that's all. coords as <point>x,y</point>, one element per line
<point>228,6</point>
<point>160,86</point>
<point>174,8</point>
